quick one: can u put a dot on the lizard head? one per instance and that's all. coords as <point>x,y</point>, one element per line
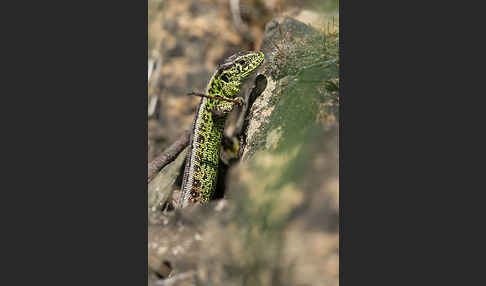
<point>233,72</point>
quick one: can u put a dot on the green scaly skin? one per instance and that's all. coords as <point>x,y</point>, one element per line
<point>201,171</point>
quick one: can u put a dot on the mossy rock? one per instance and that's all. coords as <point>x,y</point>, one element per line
<point>278,223</point>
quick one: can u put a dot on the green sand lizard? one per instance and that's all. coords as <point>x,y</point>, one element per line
<point>222,93</point>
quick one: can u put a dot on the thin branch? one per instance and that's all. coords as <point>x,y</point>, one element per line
<point>242,28</point>
<point>175,278</point>
<point>168,155</point>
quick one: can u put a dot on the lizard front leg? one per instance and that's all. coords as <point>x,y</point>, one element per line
<point>222,108</point>
<point>229,90</point>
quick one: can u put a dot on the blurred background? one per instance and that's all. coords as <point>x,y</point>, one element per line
<point>188,38</point>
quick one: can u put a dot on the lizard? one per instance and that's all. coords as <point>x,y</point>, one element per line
<point>223,92</point>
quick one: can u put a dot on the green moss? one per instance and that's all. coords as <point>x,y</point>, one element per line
<point>308,71</point>
<point>304,101</point>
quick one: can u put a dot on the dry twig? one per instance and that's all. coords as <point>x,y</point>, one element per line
<point>168,155</point>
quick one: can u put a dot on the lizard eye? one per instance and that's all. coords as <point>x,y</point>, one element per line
<point>225,78</point>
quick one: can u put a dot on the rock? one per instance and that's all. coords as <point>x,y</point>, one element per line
<point>161,187</point>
